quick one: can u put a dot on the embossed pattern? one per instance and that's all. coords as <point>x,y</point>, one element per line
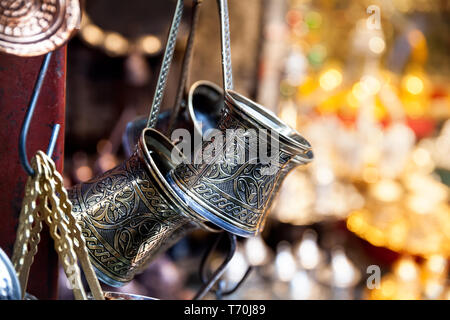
<point>36,27</point>
<point>236,192</point>
<point>125,219</point>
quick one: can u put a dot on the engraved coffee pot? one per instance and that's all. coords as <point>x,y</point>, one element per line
<point>234,185</point>
<point>130,214</point>
<point>199,109</point>
<point>138,209</point>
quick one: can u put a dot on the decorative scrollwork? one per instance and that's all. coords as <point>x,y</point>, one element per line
<point>126,221</point>
<point>234,184</point>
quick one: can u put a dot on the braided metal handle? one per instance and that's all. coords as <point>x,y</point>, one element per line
<point>165,66</point>
<point>186,67</point>
<point>227,71</point>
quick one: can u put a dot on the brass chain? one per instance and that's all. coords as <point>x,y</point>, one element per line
<point>46,200</point>
<point>28,232</point>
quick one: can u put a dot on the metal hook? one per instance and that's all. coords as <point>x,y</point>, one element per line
<point>29,114</point>
<point>219,291</point>
<point>219,272</point>
<point>208,284</point>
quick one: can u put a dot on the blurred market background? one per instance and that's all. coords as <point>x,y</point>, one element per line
<point>366,82</point>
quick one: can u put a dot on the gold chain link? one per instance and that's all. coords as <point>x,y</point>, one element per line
<point>46,200</point>
<point>28,232</point>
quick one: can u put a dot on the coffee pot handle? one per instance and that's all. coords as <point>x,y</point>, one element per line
<point>165,66</point>
<point>183,82</point>
<point>227,72</point>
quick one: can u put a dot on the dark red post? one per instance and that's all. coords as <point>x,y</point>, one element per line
<point>17,79</point>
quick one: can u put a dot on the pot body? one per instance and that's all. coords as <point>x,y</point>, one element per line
<point>299,160</point>
<point>245,217</point>
<point>235,186</point>
<point>128,216</point>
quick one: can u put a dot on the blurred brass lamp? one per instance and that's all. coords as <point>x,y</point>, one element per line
<point>409,214</point>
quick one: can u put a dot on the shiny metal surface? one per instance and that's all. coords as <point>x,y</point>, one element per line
<point>235,196</point>
<point>205,104</point>
<point>28,116</point>
<point>235,193</point>
<point>185,69</point>
<point>9,283</point>
<point>165,67</point>
<point>36,27</point>
<point>203,111</point>
<point>129,214</point>
<point>46,202</point>
<point>263,118</point>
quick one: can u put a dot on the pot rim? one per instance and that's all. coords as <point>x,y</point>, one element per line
<point>162,181</point>
<point>190,105</point>
<point>295,137</point>
<point>262,117</point>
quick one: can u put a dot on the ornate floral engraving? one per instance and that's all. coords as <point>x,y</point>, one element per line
<point>236,190</point>
<point>125,220</point>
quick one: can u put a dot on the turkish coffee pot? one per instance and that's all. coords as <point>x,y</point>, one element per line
<point>236,199</point>
<point>130,214</point>
<point>140,208</point>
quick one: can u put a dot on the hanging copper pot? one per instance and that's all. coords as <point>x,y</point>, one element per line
<point>36,27</point>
